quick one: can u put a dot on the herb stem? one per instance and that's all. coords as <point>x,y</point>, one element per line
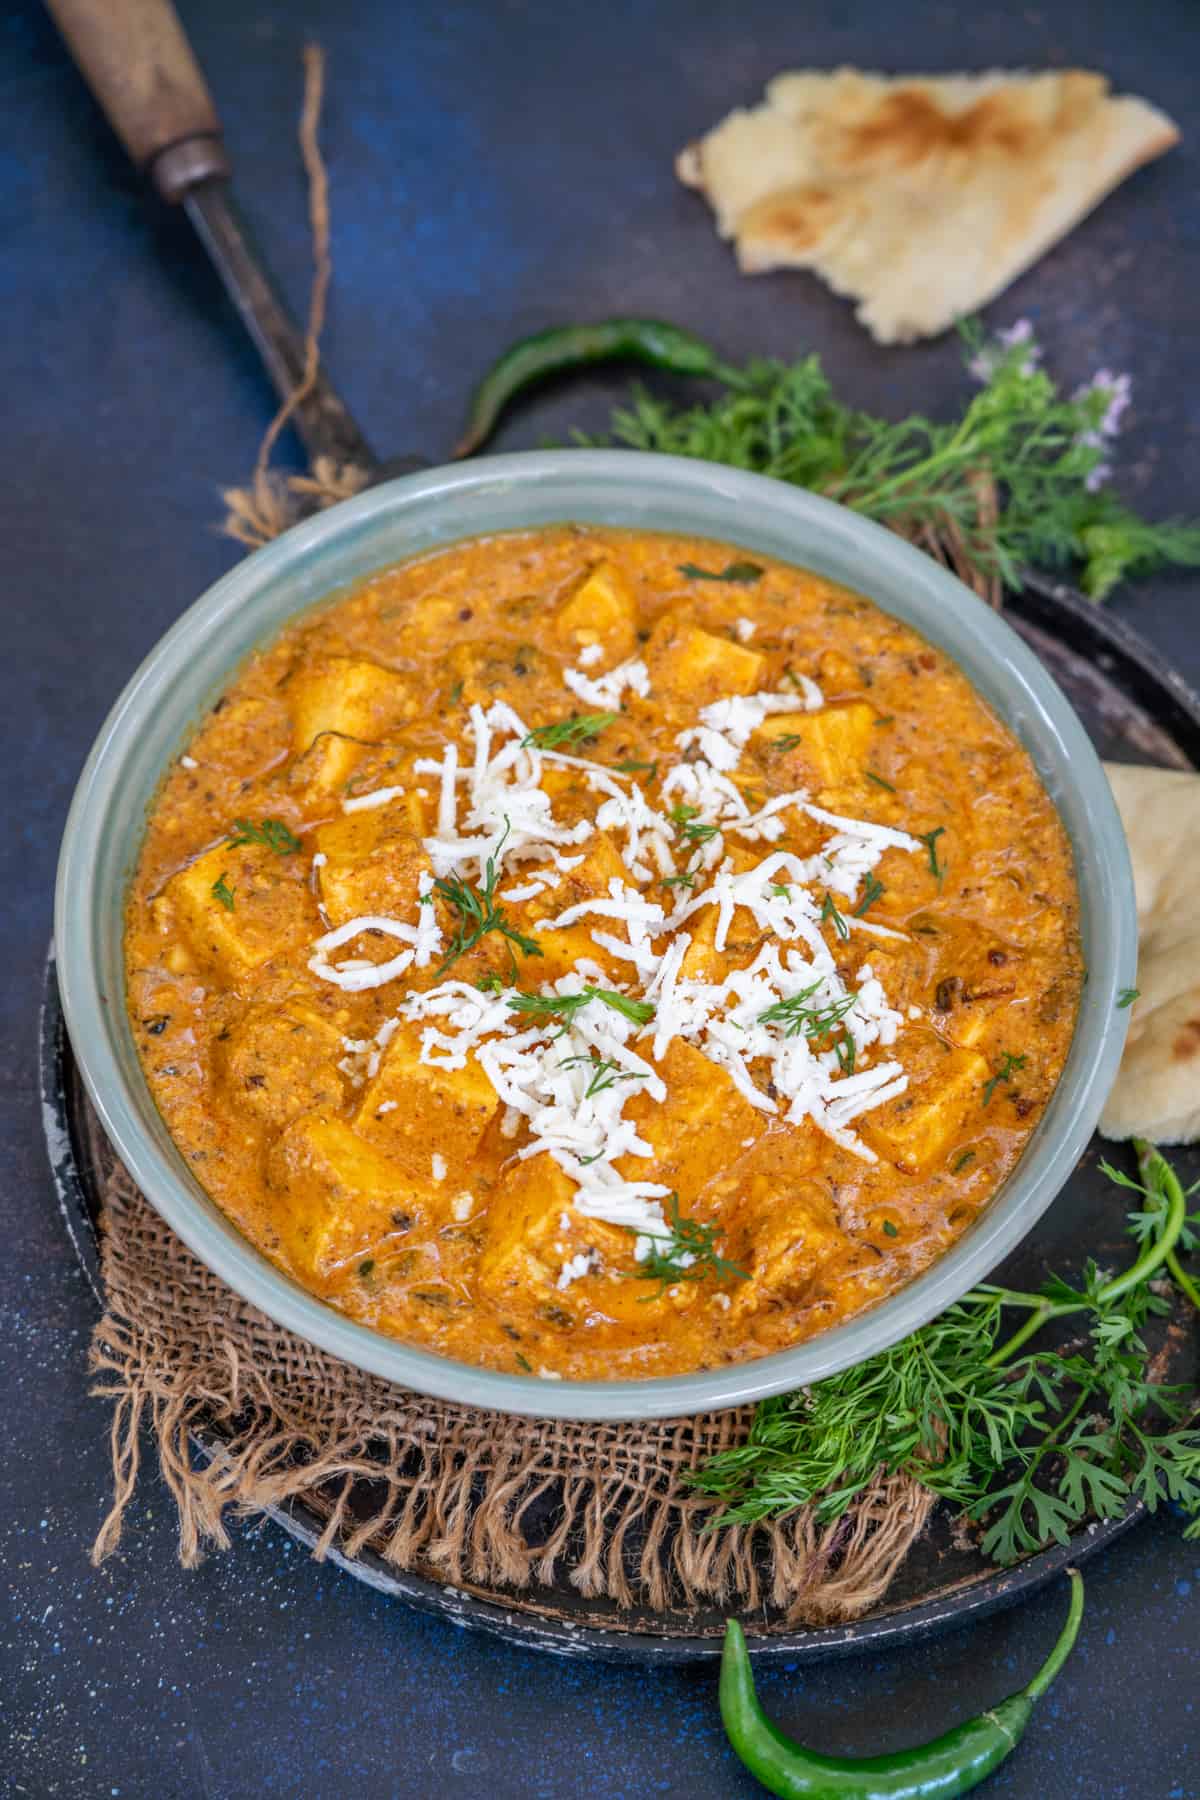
<point>1157,1172</point>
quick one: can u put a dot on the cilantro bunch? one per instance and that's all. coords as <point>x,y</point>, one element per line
<point>1020,479</point>
<point>1029,1440</point>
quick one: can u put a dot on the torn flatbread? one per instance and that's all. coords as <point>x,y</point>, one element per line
<point>1157,1091</point>
<point>922,197</point>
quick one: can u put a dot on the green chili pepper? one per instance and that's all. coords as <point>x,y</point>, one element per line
<point>566,347</point>
<point>950,1765</point>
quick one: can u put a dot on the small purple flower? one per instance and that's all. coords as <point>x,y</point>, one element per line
<point>1116,392</point>
<point>1113,393</point>
<point>1009,338</point>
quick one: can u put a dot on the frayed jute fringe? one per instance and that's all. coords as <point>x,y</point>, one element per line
<point>246,1417</point>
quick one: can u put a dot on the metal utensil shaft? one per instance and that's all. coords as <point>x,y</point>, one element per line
<point>321,418</point>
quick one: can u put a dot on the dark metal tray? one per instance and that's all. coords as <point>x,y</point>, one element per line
<point>1136,709</point>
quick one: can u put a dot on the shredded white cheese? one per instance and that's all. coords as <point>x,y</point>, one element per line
<point>564,1082</point>
<point>376,797</point>
<point>606,690</point>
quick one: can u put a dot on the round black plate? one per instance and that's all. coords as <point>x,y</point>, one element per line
<point>1136,709</point>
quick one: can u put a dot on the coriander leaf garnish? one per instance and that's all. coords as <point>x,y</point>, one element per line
<point>787,742</point>
<point>878,780</point>
<point>222,891</point>
<point>799,1016</point>
<point>1032,1440</point>
<point>478,913</point>
<point>684,818</point>
<point>490,984</point>
<point>1010,1065</point>
<point>890,1230</point>
<point>872,889</point>
<point>831,916</point>
<point>740,573</point>
<point>523,1362</point>
<point>686,1253</point>
<point>686,880</point>
<point>885,719</point>
<point>960,1162</point>
<point>575,730</point>
<point>273,834</point>
<point>456,693</point>
<point>565,1006</point>
<point>929,839</point>
<point>636,768</point>
<point>1127,996</point>
<point>606,1072</point>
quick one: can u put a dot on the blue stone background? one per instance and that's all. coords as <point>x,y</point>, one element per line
<point>496,167</point>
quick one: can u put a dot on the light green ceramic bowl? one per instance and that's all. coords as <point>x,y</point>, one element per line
<point>195,661</point>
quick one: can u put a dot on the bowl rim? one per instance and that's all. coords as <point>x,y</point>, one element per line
<point>92,1020</point>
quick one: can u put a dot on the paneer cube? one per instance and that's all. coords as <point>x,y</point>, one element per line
<point>532,1231</point>
<point>945,1090</point>
<point>691,1131</point>
<point>702,961</point>
<point>237,905</point>
<point>282,1060</point>
<point>603,611</point>
<point>413,1110</point>
<point>561,950</point>
<point>374,862</point>
<point>689,665</point>
<point>523,1224</point>
<point>336,700</point>
<point>834,743</point>
<point>788,1235</point>
<point>338,1198</point>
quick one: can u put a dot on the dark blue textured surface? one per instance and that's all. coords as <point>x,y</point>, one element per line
<point>495,167</point>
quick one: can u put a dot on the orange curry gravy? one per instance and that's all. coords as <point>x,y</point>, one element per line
<point>839,1042</point>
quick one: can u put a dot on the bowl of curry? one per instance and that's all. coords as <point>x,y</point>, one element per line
<point>595,935</point>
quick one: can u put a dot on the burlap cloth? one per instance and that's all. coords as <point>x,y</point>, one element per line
<point>244,1416</point>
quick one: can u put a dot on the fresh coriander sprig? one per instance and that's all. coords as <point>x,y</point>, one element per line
<point>831,916</point>
<point>872,890</point>
<point>686,820</point>
<point>1010,1065</point>
<point>575,730</point>
<point>565,1006</point>
<point>1019,478</point>
<point>272,834</point>
<point>222,891</point>
<point>605,1072</point>
<point>799,1016</point>
<point>478,913</point>
<point>1033,1441</point>
<point>741,574</point>
<point>929,839</point>
<point>687,1252</point>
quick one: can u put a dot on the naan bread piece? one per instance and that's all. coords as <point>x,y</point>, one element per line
<point>1157,1091</point>
<point>921,197</point>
